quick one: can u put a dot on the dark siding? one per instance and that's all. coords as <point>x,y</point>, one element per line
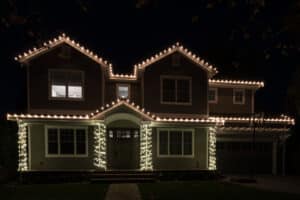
<point>225,103</point>
<point>39,92</point>
<point>187,68</point>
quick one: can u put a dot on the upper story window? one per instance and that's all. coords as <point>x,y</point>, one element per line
<point>238,96</point>
<point>213,95</point>
<point>123,91</point>
<point>66,84</point>
<point>176,90</point>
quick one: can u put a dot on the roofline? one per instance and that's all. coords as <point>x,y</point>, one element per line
<point>63,38</point>
<point>177,47</point>
<point>236,83</point>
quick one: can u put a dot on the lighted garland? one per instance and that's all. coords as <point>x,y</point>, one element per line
<point>212,148</point>
<point>146,148</point>
<point>22,147</point>
<point>100,146</point>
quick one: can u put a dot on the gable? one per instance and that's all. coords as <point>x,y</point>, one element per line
<point>52,44</point>
<point>122,107</point>
<point>177,48</point>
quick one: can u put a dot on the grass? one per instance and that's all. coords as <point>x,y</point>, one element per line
<point>207,190</point>
<point>70,191</point>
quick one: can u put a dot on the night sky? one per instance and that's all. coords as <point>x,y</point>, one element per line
<point>257,40</point>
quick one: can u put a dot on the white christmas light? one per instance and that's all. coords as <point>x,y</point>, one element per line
<point>212,139</point>
<point>100,146</point>
<point>257,84</point>
<point>146,148</point>
<point>22,147</point>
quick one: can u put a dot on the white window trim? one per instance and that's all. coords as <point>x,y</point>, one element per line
<point>216,95</point>
<point>239,90</point>
<point>58,155</point>
<point>66,98</point>
<point>175,156</point>
<point>125,85</point>
<point>176,78</point>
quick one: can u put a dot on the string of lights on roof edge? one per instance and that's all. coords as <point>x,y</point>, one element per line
<point>132,105</point>
<point>282,119</point>
<point>133,76</point>
<point>177,47</point>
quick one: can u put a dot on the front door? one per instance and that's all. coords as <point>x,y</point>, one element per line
<point>123,148</point>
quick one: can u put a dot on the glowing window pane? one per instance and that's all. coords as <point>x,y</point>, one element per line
<point>75,92</point>
<point>123,91</point>
<point>58,91</point>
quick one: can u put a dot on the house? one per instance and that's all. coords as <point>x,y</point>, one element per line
<point>168,114</point>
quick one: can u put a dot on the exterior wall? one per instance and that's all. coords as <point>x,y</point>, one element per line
<point>38,160</point>
<point>197,162</point>
<point>225,103</point>
<point>38,80</point>
<point>152,86</point>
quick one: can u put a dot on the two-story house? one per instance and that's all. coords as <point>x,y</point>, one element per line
<point>168,114</point>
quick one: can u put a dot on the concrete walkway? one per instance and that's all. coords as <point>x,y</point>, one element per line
<point>126,191</point>
<point>287,184</point>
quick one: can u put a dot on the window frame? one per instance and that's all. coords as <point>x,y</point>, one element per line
<point>176,78</point>
<point>182,155</point>
<point>244,96</point>
<point>122,84</point>
<point>66,98</point>
<point>59,155</point>
<point>215,101</point>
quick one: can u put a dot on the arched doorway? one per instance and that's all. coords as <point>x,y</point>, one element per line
<point>123,142</point>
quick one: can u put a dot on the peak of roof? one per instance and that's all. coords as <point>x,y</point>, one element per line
<point>177,47</point>
<point>63,38</point>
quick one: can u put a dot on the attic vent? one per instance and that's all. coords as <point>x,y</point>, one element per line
<point>65,52</point>
<point>175,60</point>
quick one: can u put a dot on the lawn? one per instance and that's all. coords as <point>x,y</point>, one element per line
<point>207,190</point>
<point>71,191</point>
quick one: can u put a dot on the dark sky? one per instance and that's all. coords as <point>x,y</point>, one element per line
<point>244,40</point>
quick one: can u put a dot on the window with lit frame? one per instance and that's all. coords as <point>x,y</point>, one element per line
<point>66,84</point>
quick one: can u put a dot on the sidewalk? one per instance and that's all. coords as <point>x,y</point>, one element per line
<point>287,184</point>
<point>128,191</point>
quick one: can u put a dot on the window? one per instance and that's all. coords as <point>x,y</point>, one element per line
<point>66,84</point>
<point>238,96</point>
<point>213,95</point>
<point>175,90</point>
<point>173,142</point>
<point>66,141</point>
<point>123,91</point>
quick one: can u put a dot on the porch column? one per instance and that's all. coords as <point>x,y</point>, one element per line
<point>146,147</point>
<point>212,148</point>
<point>22,146</point>
<point>100,146</point>
<point>274,158</point>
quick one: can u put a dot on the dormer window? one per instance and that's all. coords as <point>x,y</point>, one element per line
<point>66,84</point>
<point>238,96</point>
<point>123,91</point>
<point>213,95</point>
